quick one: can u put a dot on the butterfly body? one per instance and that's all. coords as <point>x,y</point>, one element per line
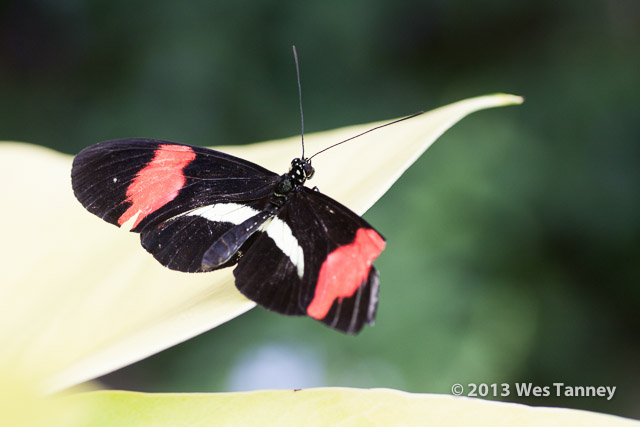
<point>295,250</point>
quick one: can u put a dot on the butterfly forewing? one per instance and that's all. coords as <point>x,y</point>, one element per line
<point>315,259</point>
<point>147,181</point>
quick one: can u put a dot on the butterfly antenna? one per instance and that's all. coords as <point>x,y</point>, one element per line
<point>295,57</point>
<point>367,131</point>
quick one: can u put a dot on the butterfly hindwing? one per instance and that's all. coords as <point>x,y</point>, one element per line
<point>146,181</point>
<point>272,271</point>
<point>180,243</point>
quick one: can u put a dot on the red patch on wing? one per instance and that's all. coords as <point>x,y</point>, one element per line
<point>158,182</point>
<point>344,270</point>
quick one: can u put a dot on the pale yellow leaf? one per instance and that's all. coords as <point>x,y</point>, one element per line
<point>325,407</point>
<point>80,298</point>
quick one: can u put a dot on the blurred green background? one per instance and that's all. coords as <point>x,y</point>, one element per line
<point>513,243</point>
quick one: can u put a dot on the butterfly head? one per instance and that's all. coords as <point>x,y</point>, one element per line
<point>301,170</point>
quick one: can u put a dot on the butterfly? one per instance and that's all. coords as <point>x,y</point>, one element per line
<point>295,250</point>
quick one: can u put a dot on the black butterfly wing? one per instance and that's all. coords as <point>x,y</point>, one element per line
<point>146,181</point>
<point>315,259</point>
<point>181,198</point>
<point>272,271</point>
<point>181,242</point>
